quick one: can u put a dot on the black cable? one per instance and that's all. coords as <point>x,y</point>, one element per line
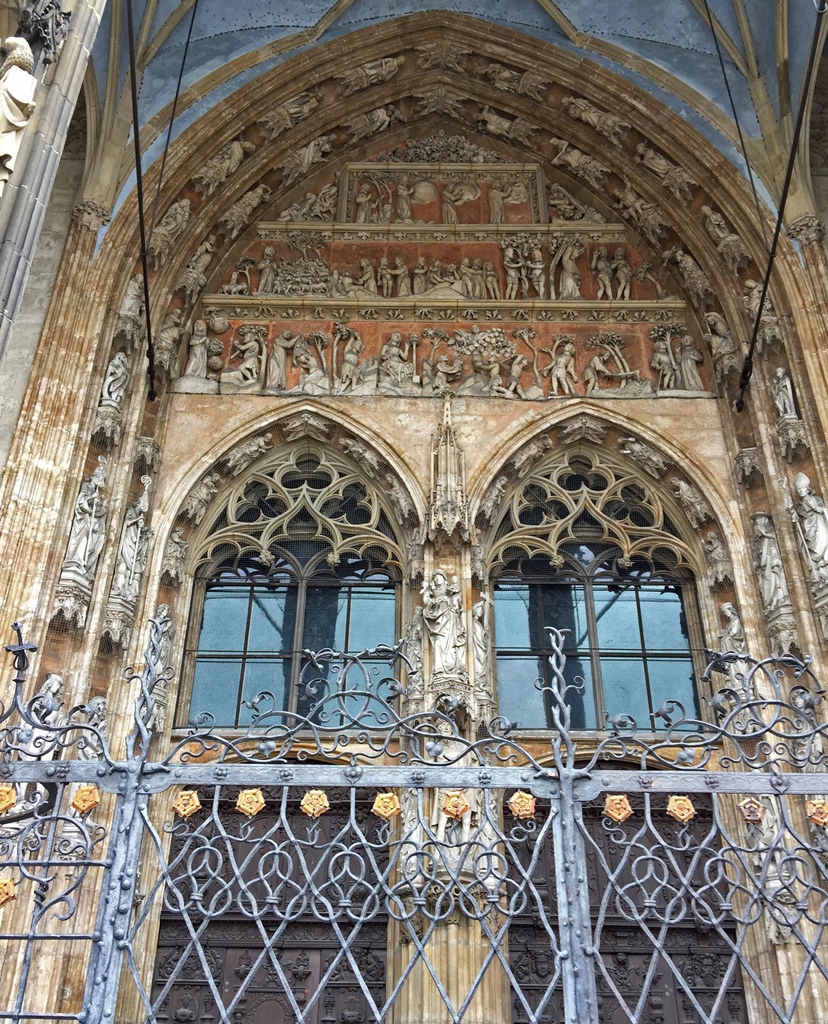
<point>738,125</point>
<point>747,368</point>
<point>139,190</point>
<point>172,120</point>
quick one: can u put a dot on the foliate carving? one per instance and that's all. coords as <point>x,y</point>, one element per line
<point>175,557</point>
<point>306,424</point>
<point>167,231</point>
<point>442,148</point>
<point>17,91</point>
<point>447,516</point>
<point>439,100</point>
<point>719,566</point>
<point>645,216</point>
<point>237,217</point>
<point>90,214</point>
<point>609,125</point>
<point>807,230</point>
<point>373,72</point>
<point>288,114</point>
<point>109,413</point>
<point>674,178</point>
<point>792,436</point>
<point>695,507</point>
<point>648,458</point>
<point>747,465</point>
<point>768,334</point>
<point>44,22</point>
<point>298,163</point>
<point>86,539</point>
<point>221,166</point>
<point>582,428</point>
<point>580,164</point>
<point>444,55</point>
<point>240,457</point>
<point>147,456</point>
<point>729,245</point>
<point>198,501</point>
<point>724,350</point>
<point>525,83</point>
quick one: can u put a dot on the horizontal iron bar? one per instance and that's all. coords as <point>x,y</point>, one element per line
<point>705,782</point>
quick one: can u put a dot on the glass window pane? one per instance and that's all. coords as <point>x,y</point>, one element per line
<point>564,608</point>
<point>225,619</point>
<point>665,628</point>
<point>518,697</point>
<point>265,677</point>
<point>617,617</point>
<point>272,620</point>
<point>326,612</point>
<point>216,689</point>
<point>511,614</point>
<point>372,618</point>
<point>672,679</point>
<point>625,689</point>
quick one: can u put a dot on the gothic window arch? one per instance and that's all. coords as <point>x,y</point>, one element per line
<point>301,554</point>
<point>588,544</point>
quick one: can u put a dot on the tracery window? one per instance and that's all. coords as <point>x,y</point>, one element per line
<point>588,546</point>
<point>302,556</point>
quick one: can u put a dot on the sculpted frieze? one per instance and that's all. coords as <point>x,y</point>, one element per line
<point>442,148</point>
<point>444,55</point>
<point>502,360</point>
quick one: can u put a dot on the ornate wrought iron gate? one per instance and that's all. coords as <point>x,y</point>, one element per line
<point>365,864</point>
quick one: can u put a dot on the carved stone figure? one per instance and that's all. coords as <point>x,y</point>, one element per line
<point>482,652</point>
<point>443,620</point>
<point>167,231</point>
<point>116,380</point>
<point>17,92</point>
<point>623,275</point>
<point>364,456</point>
<point>490,504</point>
<point>582,428</point>
<point>733,634</point>
<point>723,349</point>
<point>645,216</point>
<point>602,269</point>
<point>445,55</point>
<point>363,126</point>
<point>90,748</point>
<point>561,370</point>
<point>519,129</point>
<point>769,333</point>
<point>608,125</point>
<point>297,164</point>
<point>168,341</point>
<point>810,519</point>
<point>570,280</point>
<point>237,217</point>
<point>221,166</point>
<point>693,277</point>
<point>675,179</point>
<point>131,560</point>
<point>198,501</point>
<point>276,377</point>
<point>581,164</point>
<point>288,114</point>
<point>250,346</point>
<point>313,207</point>
<point>175,557</point>
<point>782,393</point>
<point>689,359</point>
<point>718,560</point>
<point>691,500</point>
<point>648,458</point>
<point>194,278</point>
<point>306,424</point>
<point>394,366</point>
<point>729,245</point>
<point>523,460</point>
<point>525,83</point>
<point>40,741</point>
<point>413,651</point>
<point>665,366</point>
<point>373,72</point>
<point>88,531</point>
<point>131,324</point>
<point>767,561</point>
<point>196,378</point>
<point>244,453</point>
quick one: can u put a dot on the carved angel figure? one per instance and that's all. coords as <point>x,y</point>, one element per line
<point>17,90</point>
<point>288,114</point>
<point>237,217</point>
<point>297,164</point>
<point>674,178</point>
<point>606,124</point>
<point>167,230</point>
<point>580,163</point>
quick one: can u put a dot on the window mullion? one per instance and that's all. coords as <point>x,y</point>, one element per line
<point>250,595</point>
<point>298,634</point>
<point>594,651</point>
<point>644,656</point>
